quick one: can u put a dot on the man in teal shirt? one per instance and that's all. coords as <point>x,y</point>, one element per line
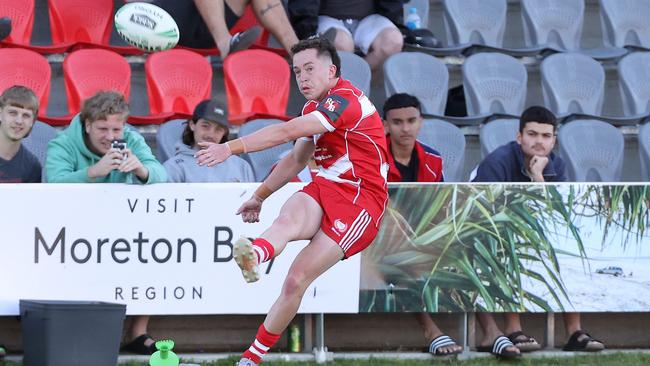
<point>83,152</point>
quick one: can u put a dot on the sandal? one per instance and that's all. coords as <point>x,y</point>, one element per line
<point>243,40</point>
<point>523,342</point>
<point>438,343</point>
<point>138,345</point>
<point>499,349</point>
<point>586,344</point>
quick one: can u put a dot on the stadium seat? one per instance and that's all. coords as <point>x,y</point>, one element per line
<point>177,80</point>
<point>593,151</point>
<point>494,83</point>
<point>356,70</point>
<point>418,74</point>
<point>634,83</point>
<point>38,139</point>
<point>74,21</point>
<point>88,71</point>
<point>573,83</point>
<point>625,23</point>
<point>496,133</point>
<point>29,69</point>
<point>262,161</point>
<point>22,20</point>
<point>644,151</point>
<point>557,23</point>
<point>449,140</point>
<point>167,136</point>
<point>257,85</point>
<point>475,21</point>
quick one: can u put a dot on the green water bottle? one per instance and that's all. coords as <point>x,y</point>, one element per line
<point>294,338</point>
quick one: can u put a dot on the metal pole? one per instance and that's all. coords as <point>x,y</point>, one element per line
<point>320,351</point>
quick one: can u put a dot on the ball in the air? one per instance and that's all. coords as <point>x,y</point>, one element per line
<point>146,26</point>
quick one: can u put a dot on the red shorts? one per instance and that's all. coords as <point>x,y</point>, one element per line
<point>349,225</point>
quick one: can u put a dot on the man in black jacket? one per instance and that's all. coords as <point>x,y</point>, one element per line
<point>369,25</point>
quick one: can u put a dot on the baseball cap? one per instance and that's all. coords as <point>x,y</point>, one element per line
<point>212,110</point>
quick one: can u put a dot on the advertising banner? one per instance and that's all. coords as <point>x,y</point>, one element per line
<point>160,249</point>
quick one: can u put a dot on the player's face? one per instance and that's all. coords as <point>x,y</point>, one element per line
<point>103,131</point>
<point>313,73</point>
<point>206,131</point>
<point>536,139</point>
<point>16,122</point>
<point>403,125</point>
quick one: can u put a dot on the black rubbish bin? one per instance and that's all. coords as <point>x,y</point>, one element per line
<point>71,333</point>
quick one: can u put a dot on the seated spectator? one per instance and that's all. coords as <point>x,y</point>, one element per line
<point>209,123</point>
<point>85,153</point>
<point>412,161</point>
<point>529,158</point>
<point>18,109</point>
<point>205,23</point>
<point>370,25</point>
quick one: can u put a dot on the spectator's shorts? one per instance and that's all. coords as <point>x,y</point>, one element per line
<point>363,32</point>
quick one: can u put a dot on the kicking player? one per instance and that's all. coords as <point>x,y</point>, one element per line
<point>340,211</point>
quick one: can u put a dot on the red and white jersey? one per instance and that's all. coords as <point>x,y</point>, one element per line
<point>353,153</point>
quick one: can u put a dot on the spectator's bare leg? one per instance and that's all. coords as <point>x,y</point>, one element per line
<point>388,42</point>
<point>343,41</point>
<point>272,15</point>
<point>212,12</point>
<point>513,323</point>
<point>572,323</point>
<point>139,327</point>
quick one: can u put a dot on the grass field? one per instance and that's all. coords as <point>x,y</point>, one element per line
<point>614,359</point>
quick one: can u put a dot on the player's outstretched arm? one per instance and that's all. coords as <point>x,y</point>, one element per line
<point>212,154</point>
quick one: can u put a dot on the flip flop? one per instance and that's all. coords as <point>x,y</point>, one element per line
<point>498,348</point>
<point>243,40</point>
<point>523,342</point>
<point>435,348</point>
<point>138,346</point>
<point>586,344</point>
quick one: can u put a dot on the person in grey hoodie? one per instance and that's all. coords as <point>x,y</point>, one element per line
<point>209,123</point>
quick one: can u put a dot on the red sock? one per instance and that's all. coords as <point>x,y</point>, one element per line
<point>264,250</point>
<point>263,341</point>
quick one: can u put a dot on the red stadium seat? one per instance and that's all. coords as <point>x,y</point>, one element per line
<point>21,13</point>
<point>24,67</point>
<point>257,85</point>
<point>177,80</point>
<point>88,71</point>
<point>75,21</point>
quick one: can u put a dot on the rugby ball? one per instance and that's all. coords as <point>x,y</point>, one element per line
<point>146,26</point>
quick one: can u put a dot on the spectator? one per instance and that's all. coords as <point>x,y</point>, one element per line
<point>205,23</point>
<point>209,123</point>
<point>370,25</point>
<point>530,159</point>
<point>18,109</point>
<point>412,161</point>
<point>83,153</point>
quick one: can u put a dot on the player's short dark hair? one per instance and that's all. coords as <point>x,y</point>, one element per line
<point>401,100</point>
<point>323,47</point>
<point>537,114</point>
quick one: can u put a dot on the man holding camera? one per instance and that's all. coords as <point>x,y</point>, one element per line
<point>97,148</point>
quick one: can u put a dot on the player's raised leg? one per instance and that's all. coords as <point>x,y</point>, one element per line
<point>316,258</point>
<point>299,219</point>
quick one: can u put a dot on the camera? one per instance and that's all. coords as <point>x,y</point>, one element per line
<point>119,144</point>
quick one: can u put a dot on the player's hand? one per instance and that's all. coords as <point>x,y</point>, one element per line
<point>109,162</point>
<point>536,168</point>
<point>131,163</point>
<point>250,210</point>
<point>212,153</point>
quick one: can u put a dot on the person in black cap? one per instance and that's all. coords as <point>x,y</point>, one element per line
<point>209,123</point>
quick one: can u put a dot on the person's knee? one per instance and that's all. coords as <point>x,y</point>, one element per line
<point>343,41</point>
<point>286,221</point>
<point>294,285</point>
<point>388,42</point>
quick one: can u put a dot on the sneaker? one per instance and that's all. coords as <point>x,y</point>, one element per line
<point>243,40</point>
<point>246,259</point>
<point>246,362</point>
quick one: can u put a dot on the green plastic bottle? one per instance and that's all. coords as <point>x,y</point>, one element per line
<point>164,356</point>
<point>294,338</point>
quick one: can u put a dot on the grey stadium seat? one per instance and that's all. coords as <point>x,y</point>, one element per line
<point>556,23</point>
<point>418,74</point>
<point>262,161</point>
<point>593,151</point>
<point>423,10</point>
<point>475,21</point>
<point>644,151</point>
<point>573,83</point>
<point>449,140</point>
<point>168,135</point>
<point>625,23</point>
<point>357,70</point>
<point>494,83</point>
<point>496,133</point>
<point>634,83</point>
<point>38,139</point>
